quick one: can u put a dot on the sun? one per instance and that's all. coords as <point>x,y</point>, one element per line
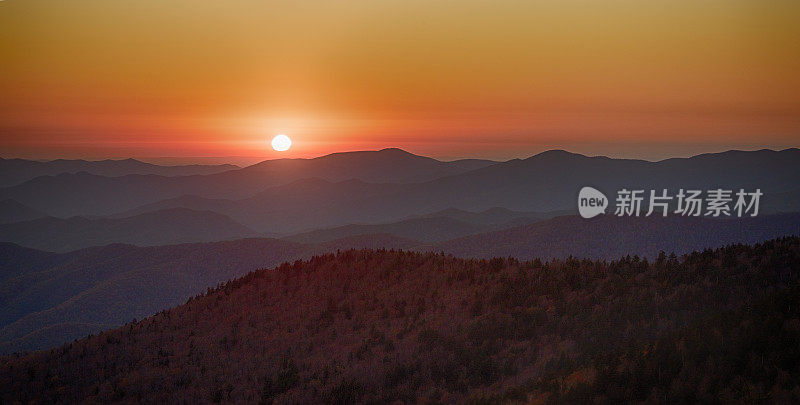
<point>281,143</point>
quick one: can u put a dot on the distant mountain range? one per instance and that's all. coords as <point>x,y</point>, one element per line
<point>405,202</point>
<point>379,199</point>
<point>48,298</point>
<point>297,195</point>
<point>543,183</point>
<point>183,225</point>
<point>83,193</point>
<point>16,171</point>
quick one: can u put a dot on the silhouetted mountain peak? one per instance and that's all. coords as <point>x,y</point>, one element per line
<point>353,156</point>
<point>396,151</point>
<point>387,153</point>
<point>556,154</point>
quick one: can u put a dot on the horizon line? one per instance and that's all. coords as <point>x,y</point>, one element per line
<point>196,160</point>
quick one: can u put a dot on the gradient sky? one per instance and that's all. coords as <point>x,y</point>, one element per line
<point>497,79</point>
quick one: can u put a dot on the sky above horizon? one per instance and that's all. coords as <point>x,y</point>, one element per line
<point>499,79</point>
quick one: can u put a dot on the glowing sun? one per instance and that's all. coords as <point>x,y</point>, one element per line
<point>281,143</point>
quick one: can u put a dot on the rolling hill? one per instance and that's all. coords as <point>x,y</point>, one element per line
<point>366,326</point>
<point>610,237</point>
<point>61,295</point>
<point>50,298</point>
<point>171,226</point>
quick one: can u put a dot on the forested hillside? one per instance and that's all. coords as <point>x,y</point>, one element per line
<point>382,326</point>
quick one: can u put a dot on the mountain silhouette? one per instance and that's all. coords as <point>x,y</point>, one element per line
<point>543,183</point>
<point>171,226</point>
<point>16,171</point>
<point>391,165</point>
<point>83,193</point>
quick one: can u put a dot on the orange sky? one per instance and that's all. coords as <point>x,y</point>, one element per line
<point>497,79</point>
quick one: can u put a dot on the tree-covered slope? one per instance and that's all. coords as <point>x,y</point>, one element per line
<point>380,326</point>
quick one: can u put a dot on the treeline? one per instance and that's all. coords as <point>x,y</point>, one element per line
<point>365,326</point>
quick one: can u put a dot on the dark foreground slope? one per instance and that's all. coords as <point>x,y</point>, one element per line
<point>53,298</point>
<point>47,299</point>
<point>380,326</point>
